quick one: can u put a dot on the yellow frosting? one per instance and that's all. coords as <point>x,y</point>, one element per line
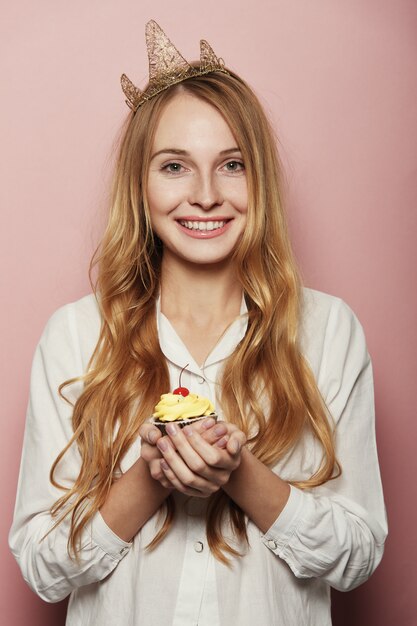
<point>172,407</point>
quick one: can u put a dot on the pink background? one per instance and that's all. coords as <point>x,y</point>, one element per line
<point>340,82</point>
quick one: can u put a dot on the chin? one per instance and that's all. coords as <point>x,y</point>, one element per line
<point>204,261</point>
<point>198,255</point>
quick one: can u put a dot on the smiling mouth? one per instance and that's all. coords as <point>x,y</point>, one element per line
<point>203,226</point>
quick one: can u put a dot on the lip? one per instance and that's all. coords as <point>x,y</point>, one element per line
<point>205,218</point>
<point>204,234</point>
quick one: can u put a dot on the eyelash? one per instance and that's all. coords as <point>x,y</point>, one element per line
<point>166,167</point>
<point>241,167</point>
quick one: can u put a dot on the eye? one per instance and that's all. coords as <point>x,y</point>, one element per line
<point>234,166</point>
<point>172,168</point>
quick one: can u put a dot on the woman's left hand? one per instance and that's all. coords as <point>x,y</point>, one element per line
<point>195,467</point>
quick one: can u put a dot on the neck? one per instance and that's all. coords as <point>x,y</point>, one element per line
<point>199,292</point>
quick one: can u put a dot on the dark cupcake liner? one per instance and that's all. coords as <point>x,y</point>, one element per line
<point>181,423</point>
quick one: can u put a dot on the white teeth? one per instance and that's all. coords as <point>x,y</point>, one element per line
<point>205,226</point>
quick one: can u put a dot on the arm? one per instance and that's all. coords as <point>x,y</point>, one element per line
<point>132,500</point>
<point>335,532</point>
<point>44,562</point>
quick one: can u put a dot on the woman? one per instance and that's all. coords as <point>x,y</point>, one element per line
<point>250,520</point>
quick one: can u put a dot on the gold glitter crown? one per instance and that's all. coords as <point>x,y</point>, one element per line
<point>167,66</point>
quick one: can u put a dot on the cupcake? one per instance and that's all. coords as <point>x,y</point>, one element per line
<point>181,408</point>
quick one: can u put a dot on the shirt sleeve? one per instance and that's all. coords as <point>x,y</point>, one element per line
<point>336,532</point>
<point>44,560</point>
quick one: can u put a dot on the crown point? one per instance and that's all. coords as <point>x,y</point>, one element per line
<point>164,58</point>
<point>131,92</point>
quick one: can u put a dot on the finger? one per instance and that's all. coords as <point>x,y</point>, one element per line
<point>205,424</point>
<point>197,487</point>
<point>197,453</point>
<point>187,466</point>
<point>181,464</point>
<point>236,442</point>
<point>148,452</point>
<point>150,433</point>
<point>217,456</point>
<point>157,474</point>
<point>214,433</point>
<point>213,455</point>
<point>222,442</point>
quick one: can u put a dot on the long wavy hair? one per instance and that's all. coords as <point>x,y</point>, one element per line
<point>127,372</point>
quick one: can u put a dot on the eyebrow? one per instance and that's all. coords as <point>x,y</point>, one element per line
<point>185,153</point>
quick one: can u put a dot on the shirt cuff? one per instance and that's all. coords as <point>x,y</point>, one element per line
<point>107,540</point>
<point>281,531</point>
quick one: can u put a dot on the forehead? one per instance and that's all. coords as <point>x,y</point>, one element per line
<point>188,121</point>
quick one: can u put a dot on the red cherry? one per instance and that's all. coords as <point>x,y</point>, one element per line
<point>181,391</point>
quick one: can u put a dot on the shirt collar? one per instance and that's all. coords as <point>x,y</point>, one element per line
<point>175,351</point>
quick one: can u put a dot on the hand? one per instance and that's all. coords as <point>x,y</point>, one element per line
<point>195,466</point>
<point>150,435</point>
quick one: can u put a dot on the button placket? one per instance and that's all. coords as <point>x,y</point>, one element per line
<point>193,574</point>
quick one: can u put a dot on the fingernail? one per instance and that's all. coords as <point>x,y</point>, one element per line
<point>208,423</point>
<point>171,429</point>
<point>220,429</point>
<point>188,431</point>
<point>152,436</point>
<point>164,465</point>
<point>162,445</point>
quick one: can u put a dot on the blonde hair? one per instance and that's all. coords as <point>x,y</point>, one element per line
<point>127,372</point>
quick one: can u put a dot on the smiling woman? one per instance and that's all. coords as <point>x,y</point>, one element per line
<point>281,498</point>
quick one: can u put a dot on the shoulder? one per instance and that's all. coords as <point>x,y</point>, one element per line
<point>74,328</point>
<point>320,310</point>
<point>320,306</point>
<point>80,316</point>
<point>329,329</point>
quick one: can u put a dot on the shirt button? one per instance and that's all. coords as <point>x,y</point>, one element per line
<point>198,546</point>
<point>123,551</point>
<point>201,380</point>
<point>272,544</point>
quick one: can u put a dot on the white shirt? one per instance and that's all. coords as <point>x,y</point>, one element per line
<point>331,535</point>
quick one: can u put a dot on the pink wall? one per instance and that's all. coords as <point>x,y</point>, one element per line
<point>340,81</point>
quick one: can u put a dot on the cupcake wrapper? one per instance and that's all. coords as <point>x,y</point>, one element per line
<point>181,423</point>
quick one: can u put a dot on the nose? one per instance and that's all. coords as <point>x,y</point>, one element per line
<point>205,192</point>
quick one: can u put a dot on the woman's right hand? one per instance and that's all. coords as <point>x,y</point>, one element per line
<point>215,434</point>
<point>195,467</point>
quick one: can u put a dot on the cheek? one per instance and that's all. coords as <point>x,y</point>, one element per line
<point>238,196</point>
<point>157,204</point>
<point>163,198</point>
<point>241,201</point>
